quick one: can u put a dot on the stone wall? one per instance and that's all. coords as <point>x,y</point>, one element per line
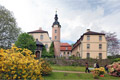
<point>79,62</point>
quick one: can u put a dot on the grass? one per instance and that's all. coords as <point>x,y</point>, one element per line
<point>68,68</point>
<point>76,76</point>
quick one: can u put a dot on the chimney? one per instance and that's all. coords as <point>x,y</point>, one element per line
<point>40,28</point>
<point>88,30</point>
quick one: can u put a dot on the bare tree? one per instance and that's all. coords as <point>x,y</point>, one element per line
<point>113,43</point>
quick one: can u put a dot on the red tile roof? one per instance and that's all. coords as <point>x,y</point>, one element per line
<point>64,44</point>
<point>65,47</point>
<point>38,31</point>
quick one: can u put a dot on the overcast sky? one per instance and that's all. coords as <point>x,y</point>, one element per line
<point>75,16</point>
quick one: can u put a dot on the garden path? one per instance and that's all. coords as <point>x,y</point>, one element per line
<point>67,71</point>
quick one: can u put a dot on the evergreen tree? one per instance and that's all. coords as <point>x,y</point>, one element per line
<point>44,52</point>
<point>51,51</point>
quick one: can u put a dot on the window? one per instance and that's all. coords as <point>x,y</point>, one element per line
<point>46,46</point>
<point>88,37</point>
<point>100,38</point>
<point>100,55</point>
<point>100,46</point>
<point>55,31</point>
<point>66,48</point>
<point>41,37</point>
<point>55,37</point>
<point>68,53</point>
<point>88,55</point>
<point>88,46</point>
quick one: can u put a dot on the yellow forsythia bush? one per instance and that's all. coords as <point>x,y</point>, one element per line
<point>17,63</point>
<point>46,69</point>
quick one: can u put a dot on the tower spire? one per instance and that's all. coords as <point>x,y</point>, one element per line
<point>56,17</point>
<point>56,12</point>
<point>56,20</point>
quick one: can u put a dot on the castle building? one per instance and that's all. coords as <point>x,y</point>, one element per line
<point>56,36</point>
<point>91,45</point>
<point>42,37</point>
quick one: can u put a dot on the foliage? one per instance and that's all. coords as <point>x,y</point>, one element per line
<point>15,65</point>
<point>113,57</point>
<point>49,54</point>
<point>8,28</point>
<point>96,74</point>
<point>77,76</point>
<point>98,71</point>
<point>113,43</point>
<point>26,41</point>
<point>68,68</point>
<point>46,69</point>
<point>74,57</point>
<point>44,52</point>
<point>114,69</point>
<point>116,60</point>
<point>51,51</point>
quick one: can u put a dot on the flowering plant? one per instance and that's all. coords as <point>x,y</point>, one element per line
<point>95,74</point>
<point>114,69</point>
<point>17,63</point>
<point>101,70</point>
<point>98,71</point>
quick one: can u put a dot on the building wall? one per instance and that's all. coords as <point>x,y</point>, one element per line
<point>65,54</point>
<point>57,40</point>
<point>94,47</point>
<point>56,34</point>
<point>94,54</point>
<point>45,40</point>
<point>76,50</point>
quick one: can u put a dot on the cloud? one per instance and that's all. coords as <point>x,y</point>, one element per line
<point>75,16</point>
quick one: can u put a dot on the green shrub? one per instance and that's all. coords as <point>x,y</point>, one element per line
<point>116,60</point>
<point>74,57</point>
<point>46,69</point>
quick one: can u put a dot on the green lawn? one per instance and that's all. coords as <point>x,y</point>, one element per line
<point>76,76</point>
<point>68,68</point>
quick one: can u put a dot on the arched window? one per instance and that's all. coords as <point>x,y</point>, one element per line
<point>41,37</point>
